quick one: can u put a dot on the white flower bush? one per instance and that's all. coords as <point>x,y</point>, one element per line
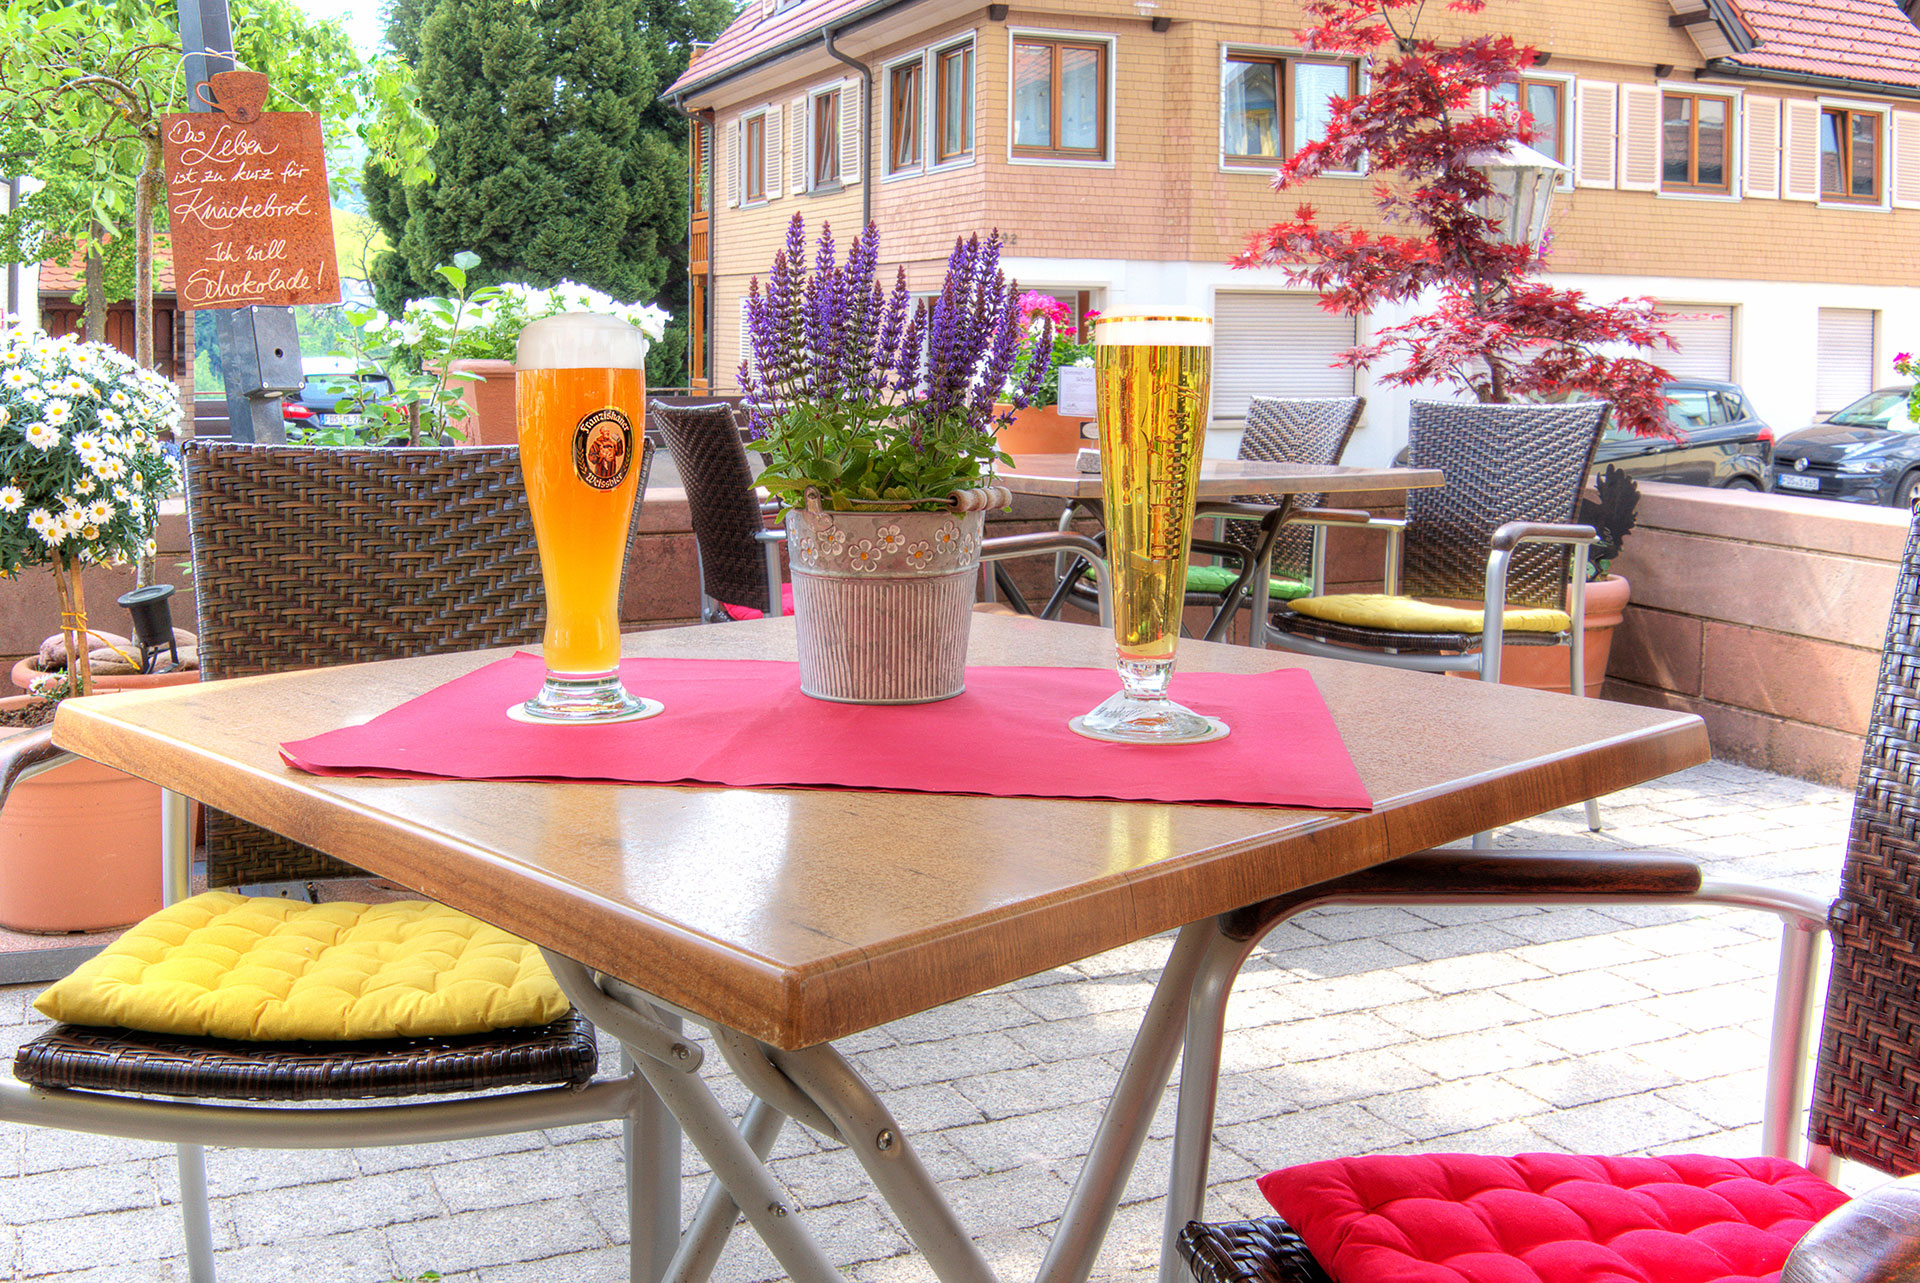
<point>435,329</point>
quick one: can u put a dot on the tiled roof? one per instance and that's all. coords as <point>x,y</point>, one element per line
<point>755,33</point>
<point>70,277</point>
<point>1868,40</point>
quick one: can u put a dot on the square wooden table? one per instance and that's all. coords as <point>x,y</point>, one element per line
<point>784,918</point>
<point>1058,476</point>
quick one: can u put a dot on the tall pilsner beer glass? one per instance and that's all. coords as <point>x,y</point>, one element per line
<point>582,392</point>
<point>1152,375</point>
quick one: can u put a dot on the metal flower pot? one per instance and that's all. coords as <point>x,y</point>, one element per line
<point>882,601</point>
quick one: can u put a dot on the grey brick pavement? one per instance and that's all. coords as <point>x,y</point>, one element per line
<point>1458,1027</point>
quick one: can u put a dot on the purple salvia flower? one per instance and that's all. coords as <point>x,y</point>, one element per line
<point>999,363</point>
<point>906,370</point>
<point>891,326</point>
<point>1037,368</point>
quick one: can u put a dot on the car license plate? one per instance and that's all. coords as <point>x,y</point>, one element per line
<point>339,420</point>
<point>1794,481</point>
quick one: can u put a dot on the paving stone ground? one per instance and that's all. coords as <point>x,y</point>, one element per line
<point>1496,1028</point>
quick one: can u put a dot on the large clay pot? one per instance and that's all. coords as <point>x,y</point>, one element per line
<point>492,405</point>
<point>79,848</point>
<point>25,670</point>
<point>1545,667</point>
<point>1041,430</point>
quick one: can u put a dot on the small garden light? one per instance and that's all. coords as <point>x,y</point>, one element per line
<point>152,623</point>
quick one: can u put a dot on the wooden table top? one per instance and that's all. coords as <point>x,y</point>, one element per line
<point>1056,475</point>
<point>798,916</point>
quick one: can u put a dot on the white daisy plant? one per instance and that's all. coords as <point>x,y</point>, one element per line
<point>57,438</point>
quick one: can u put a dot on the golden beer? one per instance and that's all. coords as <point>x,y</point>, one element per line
<point>582,392</point>
<point>1152,377</point>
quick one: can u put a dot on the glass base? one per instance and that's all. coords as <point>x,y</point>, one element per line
<point>594,699</point>
<point>1129,719</point>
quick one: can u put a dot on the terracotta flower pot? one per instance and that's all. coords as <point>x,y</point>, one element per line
<point>25,670</point>
<point>1545,667</point>
<point>79,848</point>
<point>1041,430</point>
<point>492,404</point>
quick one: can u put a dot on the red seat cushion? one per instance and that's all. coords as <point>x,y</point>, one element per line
<point>748,612</point>
<point>1550,1218</point>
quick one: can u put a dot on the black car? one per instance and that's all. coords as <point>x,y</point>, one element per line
<point>326,380</point>
<point>1718,441</point>
<point>1866,453</point>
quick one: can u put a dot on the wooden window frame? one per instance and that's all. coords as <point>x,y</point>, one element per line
<point>942,59</point>
<point>899,123</point>
<point>823,146</point>
<point>1101,152</point>
<point>1284,64</point>
<point>1562,93</point>
<point>753,159</point>
<point>1693,186</point>
<point>1845,137</point>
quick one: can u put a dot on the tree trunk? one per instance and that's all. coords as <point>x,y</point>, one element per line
<point>73,627</point>
<point>96,289</point>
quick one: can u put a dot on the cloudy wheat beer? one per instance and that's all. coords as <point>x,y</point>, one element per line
<point>1152,376</point>
<point>582,398</point>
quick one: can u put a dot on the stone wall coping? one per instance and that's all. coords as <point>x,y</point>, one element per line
<point>1788,521</point>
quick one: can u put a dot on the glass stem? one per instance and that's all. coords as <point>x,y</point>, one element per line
<point>1145,678</point>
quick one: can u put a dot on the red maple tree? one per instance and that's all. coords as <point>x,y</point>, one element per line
<point>1491,329</point>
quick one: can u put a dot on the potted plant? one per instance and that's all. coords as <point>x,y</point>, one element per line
<point>881,457</point>
<point>82,473</point>
<point>1041,427</point>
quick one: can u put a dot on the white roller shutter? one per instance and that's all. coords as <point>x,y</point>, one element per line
<point>1276,345</point>
<point>1845,372</point>
<point>1639,138</point>
<point>850,132</point>
<point>1593,132</point>
<point>1800,152</point>
<point>1760,151</point>
<point>1705,338</point>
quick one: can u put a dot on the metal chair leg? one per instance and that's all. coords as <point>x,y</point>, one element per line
<point>195,1213</point>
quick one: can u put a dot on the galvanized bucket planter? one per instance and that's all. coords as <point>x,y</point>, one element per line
<point>882,600</point>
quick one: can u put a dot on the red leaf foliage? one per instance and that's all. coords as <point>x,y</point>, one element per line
<point>1490,328</point>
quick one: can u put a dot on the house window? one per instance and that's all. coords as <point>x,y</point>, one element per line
<point>1271,107</point>
<point>1546,102</point>
<point>1060,99</point>
<point>754,175</point>
<point>953,107</point>
<point>1849,155</point>
<point>903,117</point>
<point>1694,151</point>
<point>823,164</point>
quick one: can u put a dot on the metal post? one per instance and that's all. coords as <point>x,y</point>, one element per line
<point>13,269</point>
<point>206,38</point>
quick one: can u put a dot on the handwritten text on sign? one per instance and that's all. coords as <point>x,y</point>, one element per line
<point>249,214</point>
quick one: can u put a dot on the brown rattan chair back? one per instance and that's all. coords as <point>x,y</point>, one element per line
<point>1293,430</point>
<point>1502,463</point>
<point>305,557</point>
<point>704,441</point>
<point>1866,1090</point>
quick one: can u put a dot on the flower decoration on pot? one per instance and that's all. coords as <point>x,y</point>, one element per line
<point>877,418</point>
<point>82,466</point>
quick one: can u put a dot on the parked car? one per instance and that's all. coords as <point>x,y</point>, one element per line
<point>1718,440</point>
<point>1868,452</point>
<point>325,381</point>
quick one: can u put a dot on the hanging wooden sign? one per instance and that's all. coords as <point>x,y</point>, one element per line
<point>249,214</point>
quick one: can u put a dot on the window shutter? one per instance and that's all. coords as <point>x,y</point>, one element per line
<point>1845,369</point>
<point>746,343</point>
<point>1594,110</point>
<point>1276,345</point>
<point>1906,159</point>
<point>732,148</point>
<point>770,155</point>
<point>1800,152</point>
<point>1639,138</point>
<point>852,117</point>
<point>1760,146</point>
<point>802,130</point>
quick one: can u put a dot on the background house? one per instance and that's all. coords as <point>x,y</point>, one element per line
<point>1754,165</point>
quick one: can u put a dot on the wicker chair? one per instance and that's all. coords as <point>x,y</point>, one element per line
<point>307,557</point>
<point>739,556</point>
<point>1865,1099</point>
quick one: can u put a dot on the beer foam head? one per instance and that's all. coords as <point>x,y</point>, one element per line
<point>1169,331</point>
<point>581,341</point>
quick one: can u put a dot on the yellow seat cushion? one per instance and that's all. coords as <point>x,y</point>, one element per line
<point>1411,615</point>
<point>266,969</point>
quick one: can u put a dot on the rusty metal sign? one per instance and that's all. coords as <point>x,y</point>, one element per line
<point>247,198</point>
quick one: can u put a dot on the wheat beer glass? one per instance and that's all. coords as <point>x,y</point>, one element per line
<point>582,394</point>
<point>1151,376</point>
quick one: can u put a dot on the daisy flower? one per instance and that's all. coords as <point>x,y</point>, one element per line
<point>15,377</point>
<point>56,413</point>
<point>42,437</point>
<point>11,498</point>
<point>99,512</point>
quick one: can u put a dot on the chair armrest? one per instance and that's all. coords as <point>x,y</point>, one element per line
<point>770,536</point>
<point>1873,1239</point>
<point>1515,533</point>
<point>1258,1251</point>
<point>27,754</point>
<point>1219,548</point>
